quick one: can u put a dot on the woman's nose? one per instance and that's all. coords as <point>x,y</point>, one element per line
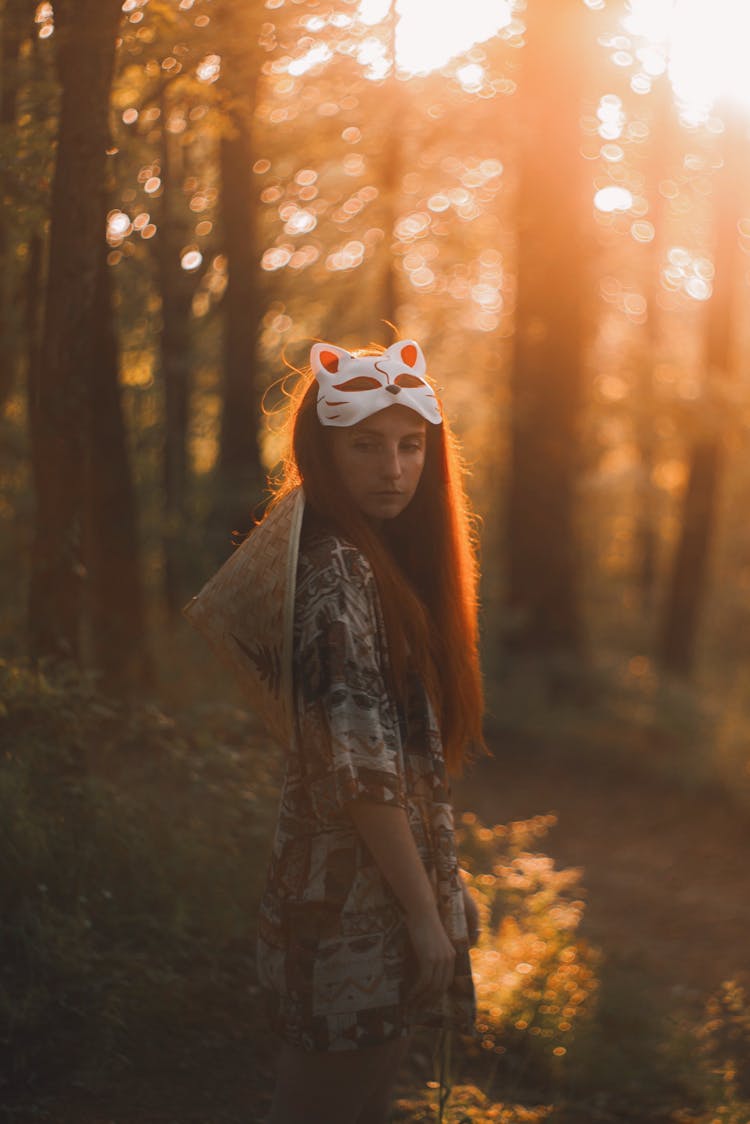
<point>392,463</point>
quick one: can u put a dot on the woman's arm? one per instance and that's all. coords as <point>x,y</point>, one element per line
<point>472,912</point>
<point>385,829</point>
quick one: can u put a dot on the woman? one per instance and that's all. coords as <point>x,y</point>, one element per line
<point>365,923</point>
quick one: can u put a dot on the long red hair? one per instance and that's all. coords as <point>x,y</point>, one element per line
<point>424,564</point>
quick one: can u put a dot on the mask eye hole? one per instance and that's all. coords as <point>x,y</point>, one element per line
<point>408,381</point>
<point>359,382</point>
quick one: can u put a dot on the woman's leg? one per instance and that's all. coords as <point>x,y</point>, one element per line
<point>338,1087</point>
<point>377,1107</point>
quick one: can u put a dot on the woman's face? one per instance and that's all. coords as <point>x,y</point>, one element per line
<point>380,460</point>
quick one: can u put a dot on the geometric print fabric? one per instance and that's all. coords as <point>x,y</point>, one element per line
<point>334,959</point>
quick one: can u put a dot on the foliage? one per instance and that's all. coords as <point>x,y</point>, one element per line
<point>134,842</point>
<point>134,847</point>
<point>535,977</point>
<point>132,857</point>
<point>724,1040</point>
<point>126,830</point>
<point>535,982</point>
<point>692,736</point>
<point>468,1103</point>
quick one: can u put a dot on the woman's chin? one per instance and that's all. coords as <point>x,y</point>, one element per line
<point>385,506</point>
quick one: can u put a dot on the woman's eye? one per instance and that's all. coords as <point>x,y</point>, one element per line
<point>359,382</point>
<point>412,447</point>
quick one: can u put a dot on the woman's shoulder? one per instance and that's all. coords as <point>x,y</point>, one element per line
<point>327,558</point>
<point>335,582</point>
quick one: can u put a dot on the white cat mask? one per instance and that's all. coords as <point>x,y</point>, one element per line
<point>354,387</point>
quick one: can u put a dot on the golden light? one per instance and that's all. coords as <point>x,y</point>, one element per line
<point>191,258</point>
<point>702,44</point>
<point>690,274</point>
<point>431,32</point>
<point>613,198</point>
<point>208,69</point>
<point>45,16</point>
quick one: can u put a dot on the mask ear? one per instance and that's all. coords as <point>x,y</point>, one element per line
<point>410,354</point>
<point>325,359</point>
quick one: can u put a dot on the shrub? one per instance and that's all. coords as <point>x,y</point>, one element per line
<point>133,850</point>
<point>535,978</point>
<point>724,1044</point>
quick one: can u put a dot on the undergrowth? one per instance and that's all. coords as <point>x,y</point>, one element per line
<point>133,846</point>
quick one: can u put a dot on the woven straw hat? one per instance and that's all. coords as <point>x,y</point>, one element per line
<point>246,612</point>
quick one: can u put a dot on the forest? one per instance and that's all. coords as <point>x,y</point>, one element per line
<point>553,198</point>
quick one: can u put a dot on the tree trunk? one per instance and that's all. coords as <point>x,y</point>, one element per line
<point>390,180</point>
<point>17,18</point>
<point>546,380</point>
<point>239,478</point>
<point>176,288</point>
<point>658,167</point>
<point>391,174</point>
<point>86,31</point>
<point>240,474</point>
<point>688,582</point>
<point>689,579</point>
<point>115,591</point>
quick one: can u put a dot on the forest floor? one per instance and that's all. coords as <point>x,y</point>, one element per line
<point>665,869</point>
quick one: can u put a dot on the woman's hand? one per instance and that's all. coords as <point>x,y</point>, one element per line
<point>386,831</point>
<point>435,956</point>
<point>472,916</point>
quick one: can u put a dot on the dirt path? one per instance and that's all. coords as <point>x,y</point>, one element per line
<point>667,871</point>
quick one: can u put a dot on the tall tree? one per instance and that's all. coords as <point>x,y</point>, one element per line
<point>239,472</point>
<point>391,170</point>
<point>659,163</point>
<point>547,380</point>
<point>86,31</point>
<point>176,287</point>
<point>16,19</point>
<point>688,578</point>
<point>115,596</point>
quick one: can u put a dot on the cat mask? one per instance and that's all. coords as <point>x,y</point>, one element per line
<point>353,387</point>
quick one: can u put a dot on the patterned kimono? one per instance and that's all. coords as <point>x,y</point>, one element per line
<point>334,957</point>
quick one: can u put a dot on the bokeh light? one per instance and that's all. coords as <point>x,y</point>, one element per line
<point>431,32</point>
<point>703,43</point>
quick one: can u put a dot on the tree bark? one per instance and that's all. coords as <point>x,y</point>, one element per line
<point>659,162</point>
<point>85,54</point>
<point>116,608</point>
<point>17,19</point>
<point>689,577</point>
<point>391,173</point>
<point>176,290</point>
<point>239,478</point>
<point>239,472</point>
<point>546,379</point>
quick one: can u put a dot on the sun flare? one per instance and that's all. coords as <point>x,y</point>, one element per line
<point>702,44</point>
<point>431,32</point>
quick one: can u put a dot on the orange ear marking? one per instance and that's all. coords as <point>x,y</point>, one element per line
<point>329,361</point>
<point>409,354</point>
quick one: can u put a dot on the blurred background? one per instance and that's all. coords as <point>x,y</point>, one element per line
<point>552,196</point>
